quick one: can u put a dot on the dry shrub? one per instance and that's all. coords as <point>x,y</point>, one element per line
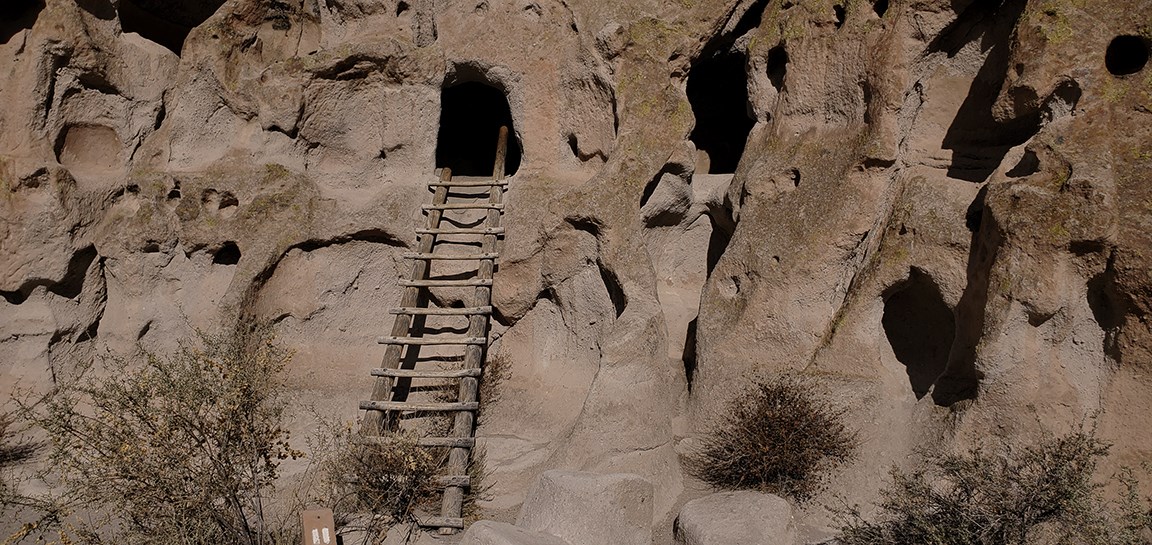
<point>13,450</point>
<point>172,449</point>
<point>374,485</point>
<point>1039,494</point>
<point>778,436</point>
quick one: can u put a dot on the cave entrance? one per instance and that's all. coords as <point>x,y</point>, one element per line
<point>1126,55</point>
<point>166,22</point>
<point>920,329</point>
<point>717,89</point>
<point>471,115</point>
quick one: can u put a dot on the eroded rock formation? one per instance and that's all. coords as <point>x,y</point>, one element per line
<point>940,207</point>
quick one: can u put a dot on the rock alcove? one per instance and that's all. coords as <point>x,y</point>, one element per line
<point>471,114</point>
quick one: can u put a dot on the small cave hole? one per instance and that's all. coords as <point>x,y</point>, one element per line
<point>840,15</point>
<point>1106,304</point>
<point>227,200</point>
<point>794,175</point>
<point>574,145</point>
<point>717,90</point>
<point>227,254</point>
<point>470,119</point>
<point>401,8</point>
<point>1028,165</point>
<point>174,193</point>
<point>920,329</point>
<point>777,66</point>
<point>1126,55</point>
<point>880,7</point>
<point>166,22</point>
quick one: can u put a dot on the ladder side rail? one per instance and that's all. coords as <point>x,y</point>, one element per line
<point>458,458</point>
<point>382,386</point>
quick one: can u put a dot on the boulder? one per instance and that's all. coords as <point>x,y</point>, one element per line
<point>736,518</point>
<point>490,532</point>
<point>590,508</point>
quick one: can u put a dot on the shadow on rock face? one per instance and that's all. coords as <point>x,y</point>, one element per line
<point>978,142</point>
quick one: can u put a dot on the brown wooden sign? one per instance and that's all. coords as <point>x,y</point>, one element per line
<point>319,528</point>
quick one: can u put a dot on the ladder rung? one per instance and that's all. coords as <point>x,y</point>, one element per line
<point>460,231</point>
<point>455,442</point>
<point>417,406</point>
<point>454,480</point>
<point>468,184</point>
<point>445,283</point>
<point>413,373</point>
<point>440,522</point>
<point>450,442</point>
<point>451,257</point>
<point>463,206</point>
<point>431,340</point>
<point>442,311</point>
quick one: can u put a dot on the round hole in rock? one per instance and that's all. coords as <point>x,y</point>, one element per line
<point>1126,55</point>
<point>228,254</point>
<point>920,328</point>
<point>471,115</point>
<point>717,89</point>
<point>166,22</point>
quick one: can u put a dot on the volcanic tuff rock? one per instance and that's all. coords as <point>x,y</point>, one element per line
<point>940,207</point>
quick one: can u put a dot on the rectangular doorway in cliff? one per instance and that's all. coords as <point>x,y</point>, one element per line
<point>717,90</point>
<point>166,22</point>
<point>471,114</point>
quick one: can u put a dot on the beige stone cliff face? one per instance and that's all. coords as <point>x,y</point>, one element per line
<point>942,207</point>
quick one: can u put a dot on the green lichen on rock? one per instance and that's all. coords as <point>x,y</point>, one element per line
<point>1054,18</point>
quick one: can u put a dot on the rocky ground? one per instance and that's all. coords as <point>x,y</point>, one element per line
<point>941,208</point>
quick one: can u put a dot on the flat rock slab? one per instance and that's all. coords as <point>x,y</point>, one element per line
<point>736,518</point>
<point>590,508</point>
<point>490,532</point>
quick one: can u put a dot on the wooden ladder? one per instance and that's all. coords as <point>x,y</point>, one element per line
<point>389,396</point>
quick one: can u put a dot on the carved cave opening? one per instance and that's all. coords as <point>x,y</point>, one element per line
<point>471,115</point>
<point>920,329</point>
<point>1126,55</point>
<point>166,22</point>
<point>717,89</point>
<point>227,254</point>
<point>880,7</point>
<point>777,67</point>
